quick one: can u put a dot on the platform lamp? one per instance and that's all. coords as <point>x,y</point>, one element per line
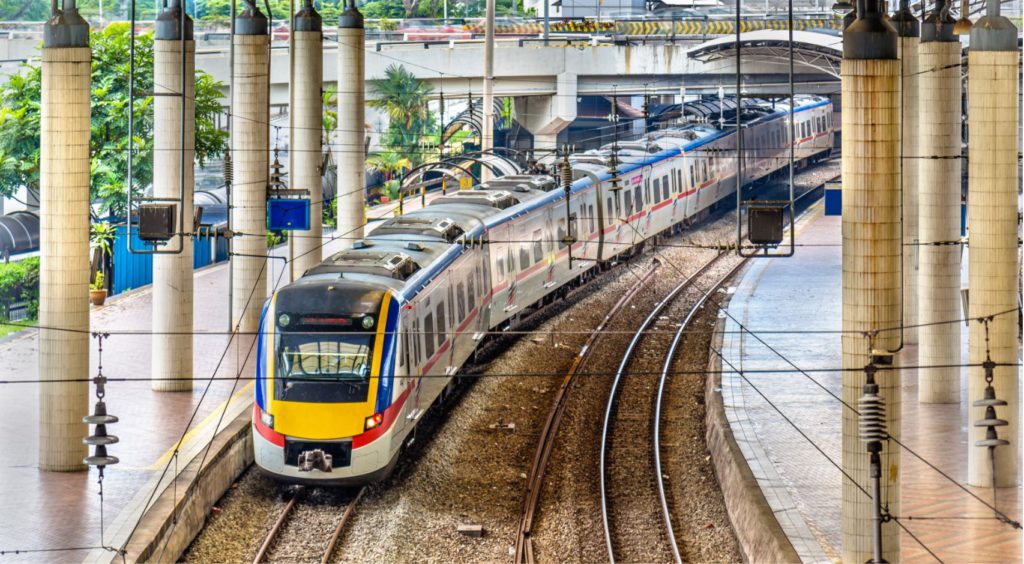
<point>847,10</point>
<point>963,25</point>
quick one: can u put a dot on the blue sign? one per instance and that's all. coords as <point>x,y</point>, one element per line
<point>288,214</point>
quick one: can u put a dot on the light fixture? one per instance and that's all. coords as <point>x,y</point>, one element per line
<point>842,7</point>
<point>963,25</point>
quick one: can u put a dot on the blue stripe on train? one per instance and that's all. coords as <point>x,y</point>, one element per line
<point>387,368</point>
<point>261,358</point>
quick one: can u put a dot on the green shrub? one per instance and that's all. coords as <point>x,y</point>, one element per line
<point>19,281</point>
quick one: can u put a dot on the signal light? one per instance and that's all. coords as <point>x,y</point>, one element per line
<point>373,421</point>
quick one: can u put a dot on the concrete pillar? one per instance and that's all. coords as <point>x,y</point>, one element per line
<point>351,149</point>
<point>909,32</point>
<point>305,153</point>
<point>546,116</point>
<point>872,235</point>
<point>172,273</point>
<point>250,151</point>
<point>992,219</point>
<point>487,135</point>
<point>939,209</point>
<point>64,241</point>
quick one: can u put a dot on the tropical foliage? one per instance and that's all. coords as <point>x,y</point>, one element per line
<point>19,121</point>
<point>403,98</point>
<point>19,281</point>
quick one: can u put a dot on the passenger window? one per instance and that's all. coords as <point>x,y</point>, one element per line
<point>480,278</point>
<point>693,181</point>
<point>608,211</point>
<point>501,267</point>
<point>428,334</point>
<point>629,206</point>
<point>524,257</point>
<point>460,298</point>
<point>561,233</point>
<point>593,219</point>
<point>639,204</point>
<point>471,294</point>
<point>657,190</point>
<point>704,167</point>
<point>538,251</point>
<point>405,349</point>
<point>442,326</point>
<point>664,187</point>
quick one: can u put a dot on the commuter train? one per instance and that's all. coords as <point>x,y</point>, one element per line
<point>352,354</point>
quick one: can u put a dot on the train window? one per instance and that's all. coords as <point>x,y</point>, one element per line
<point>657,191</point>
<point>524,256</point>
<point>538,251</point>
<point>664,187</point>
<point>501,267</point>
<point>480,277</point>
<point>442,325</point>
<point>647,188</point>
<point>693,181</point>
<point>428,334</point>
<point>593,219</point>
<point>639,204</point>
<point>561,233</point>
<point>405,349</point>
<point>608,211</point>
<point>460,299</point>
<point>470,294</point>
<point>679,181</point>
<point>704,168</point>
<point>628,205</point>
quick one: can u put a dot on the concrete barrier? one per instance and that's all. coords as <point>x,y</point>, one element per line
<point>170,525</point>
<point>759,533</point>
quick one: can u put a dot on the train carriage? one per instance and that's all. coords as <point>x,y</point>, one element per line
<point>351,355</point>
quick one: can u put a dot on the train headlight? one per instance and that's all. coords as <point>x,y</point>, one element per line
<point>267,419</point>
<point>284,319</point>
<point>373,421</point>
<point>367,322</point>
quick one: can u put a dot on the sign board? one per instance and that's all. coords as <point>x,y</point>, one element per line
<point>465,183</point>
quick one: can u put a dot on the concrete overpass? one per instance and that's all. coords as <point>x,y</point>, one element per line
<point>546,78</point>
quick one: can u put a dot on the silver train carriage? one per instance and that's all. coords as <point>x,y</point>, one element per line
<point>351,355</point>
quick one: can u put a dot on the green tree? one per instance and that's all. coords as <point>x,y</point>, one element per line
<point>19,121</point>
<point>388,163</point>
<point>403,97</point>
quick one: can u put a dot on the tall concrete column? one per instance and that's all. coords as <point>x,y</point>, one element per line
<point>993,112</point>
<point>872,234</point>
<point>250,151</point>
<point>305,153</point>
<point>172,273</point>
<point>909,31</point>
<point>546,116</point>
<point>64,240</point>
<point>939,209</point>
<point>351,149</point>
<point>487,135</point>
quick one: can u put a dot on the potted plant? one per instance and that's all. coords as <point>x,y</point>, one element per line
<point>101,239</point>
<point>97,291</point>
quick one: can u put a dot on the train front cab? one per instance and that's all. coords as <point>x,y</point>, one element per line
<point>324,386</point>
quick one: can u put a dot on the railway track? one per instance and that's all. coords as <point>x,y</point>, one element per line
<point>535,479</point>
<point>276,534</point>
<point>633,500</point>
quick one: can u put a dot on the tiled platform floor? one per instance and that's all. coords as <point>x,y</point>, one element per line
<point>45,510</point>
<point>804,292</point>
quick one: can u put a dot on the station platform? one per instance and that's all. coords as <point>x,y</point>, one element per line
<point>802,487</point>
<point>55,517</point>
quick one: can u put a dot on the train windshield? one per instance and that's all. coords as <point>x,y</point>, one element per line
<point>323,367</point>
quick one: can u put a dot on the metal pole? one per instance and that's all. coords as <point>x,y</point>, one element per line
<point>739,135</point>
<point>547,19</point>
<point>487,135</point>
<point>227,185</point>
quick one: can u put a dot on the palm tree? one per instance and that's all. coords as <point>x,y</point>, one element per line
<point>403,97</point>
<point>388,163</point>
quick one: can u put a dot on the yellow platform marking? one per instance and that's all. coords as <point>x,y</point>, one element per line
<point>210,419</point>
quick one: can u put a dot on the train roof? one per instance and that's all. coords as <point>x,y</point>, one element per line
<point>405,253</point>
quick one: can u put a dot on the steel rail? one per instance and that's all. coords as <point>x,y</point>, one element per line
<point>666,513</point>
<point>341,526</point>
<point>613,394</point>
<point>272,534</point>
<point>524,541</point>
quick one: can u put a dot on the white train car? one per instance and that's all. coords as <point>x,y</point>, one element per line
<point>352,354</point>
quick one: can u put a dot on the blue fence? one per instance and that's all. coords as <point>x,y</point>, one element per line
<point>136,270</point>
